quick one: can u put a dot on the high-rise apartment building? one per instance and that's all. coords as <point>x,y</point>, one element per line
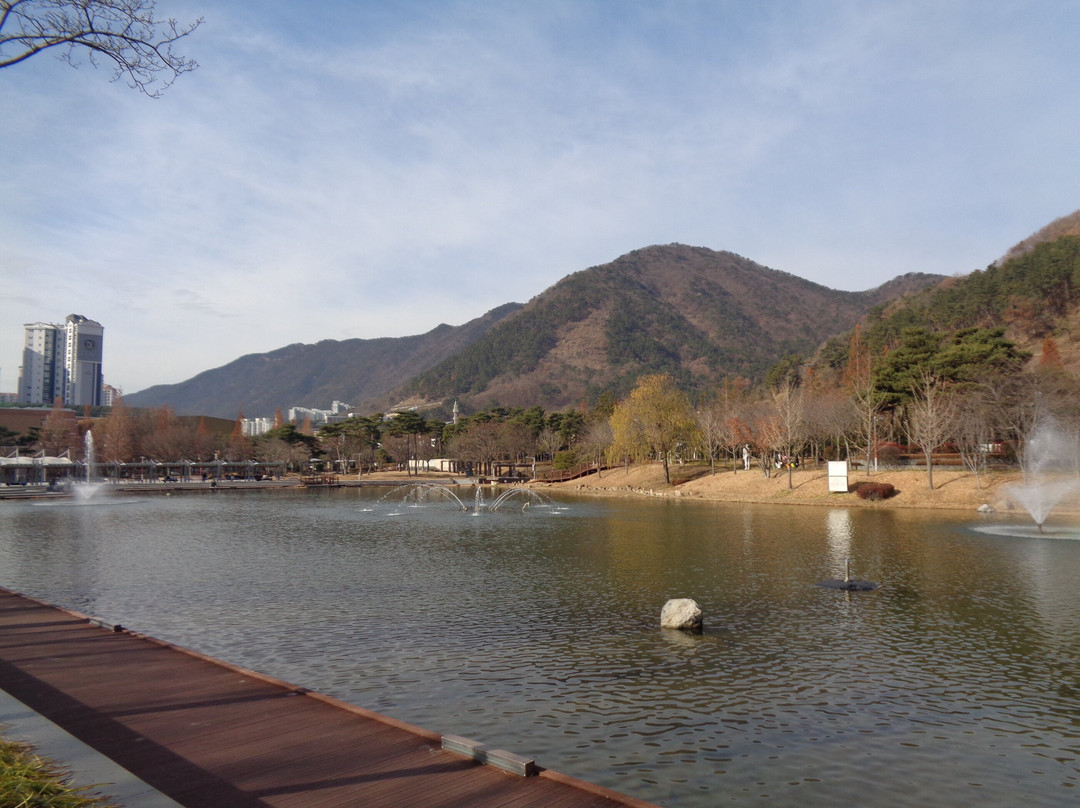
<point>62,361</point>
<point>41,377</point>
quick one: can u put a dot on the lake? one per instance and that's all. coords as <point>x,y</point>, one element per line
<point>536,629</point>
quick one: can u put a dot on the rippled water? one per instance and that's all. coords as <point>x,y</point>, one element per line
<point>537,631</point>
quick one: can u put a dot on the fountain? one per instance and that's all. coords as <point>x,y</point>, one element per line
<point>88,489</point>
<point>1049,463</point>
<point>421,493</point>
<point>530,497</point>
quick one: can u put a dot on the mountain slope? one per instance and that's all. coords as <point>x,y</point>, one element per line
<point>314,376</point>
<point>1059,228</point>
<point>689,311</point>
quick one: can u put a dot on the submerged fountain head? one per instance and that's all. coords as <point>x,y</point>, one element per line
<point>1050,465</point>
<point>849,584</point>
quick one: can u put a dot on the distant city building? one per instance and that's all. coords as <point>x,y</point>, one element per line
<point>253,427</point>
<point>84,381</point>
<point>109,395</point>
<point>62,361</point>
<point>41,377</point>
<point>337,412</point>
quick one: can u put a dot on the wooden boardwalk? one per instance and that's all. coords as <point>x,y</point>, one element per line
<point>208,734</point>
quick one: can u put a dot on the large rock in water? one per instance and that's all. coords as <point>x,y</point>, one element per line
<point>681,613</point>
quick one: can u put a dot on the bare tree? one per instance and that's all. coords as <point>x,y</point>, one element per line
<point>595,442</point>
<point>791,412</point>
<point>123,32</point>
<point>712,431</point>
<point>549,442</point>
<point>830,418</point>
<point>481,442</point>
<point>781,429</point>
<point>169,439</point>
<point>931,416</point>
<point>973,431</point>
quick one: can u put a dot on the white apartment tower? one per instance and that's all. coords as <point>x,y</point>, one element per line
<point>62,361</point>
<point>41,377</point>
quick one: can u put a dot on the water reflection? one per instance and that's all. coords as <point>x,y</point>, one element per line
<point>537,633</point>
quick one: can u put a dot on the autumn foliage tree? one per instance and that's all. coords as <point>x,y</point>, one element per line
<point>59,431</point>
<point>115,436</point>
<point>653,420</point>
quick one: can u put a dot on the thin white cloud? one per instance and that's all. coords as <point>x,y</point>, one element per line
<point>368,169</point>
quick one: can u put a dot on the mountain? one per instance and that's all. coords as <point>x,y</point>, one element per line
<point>1059,228</point>
<point>1033,297</point>
<point>695,313</point>
<point>301,375</point>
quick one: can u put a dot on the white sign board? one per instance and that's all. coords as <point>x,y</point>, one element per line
<point>838,473</point>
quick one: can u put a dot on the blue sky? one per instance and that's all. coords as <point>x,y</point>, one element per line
<point>371,169</point>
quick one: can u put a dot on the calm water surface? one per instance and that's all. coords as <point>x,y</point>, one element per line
<point>537,631</point>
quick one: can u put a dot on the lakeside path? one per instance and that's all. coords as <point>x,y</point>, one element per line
<point>211,735</point>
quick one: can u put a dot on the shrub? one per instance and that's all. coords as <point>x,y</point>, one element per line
<point>875,491</point>
<point>889,456</point>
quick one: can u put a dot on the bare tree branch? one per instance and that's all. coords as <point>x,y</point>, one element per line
<point>124,32</point>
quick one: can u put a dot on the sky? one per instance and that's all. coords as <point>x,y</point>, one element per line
<point>343,168</point>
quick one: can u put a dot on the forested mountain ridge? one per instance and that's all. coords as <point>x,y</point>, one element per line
<point>315,375</point>
<point>694,313</point>
<point>1034,296</point>
<point>1059,228</point>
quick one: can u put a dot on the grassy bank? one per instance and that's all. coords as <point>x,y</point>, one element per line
<point>30,781</point>
<point>953,488</point>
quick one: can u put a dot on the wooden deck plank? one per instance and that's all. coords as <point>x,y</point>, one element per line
<point>209,735</point>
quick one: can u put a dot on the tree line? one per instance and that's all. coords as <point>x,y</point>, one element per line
<point>971,391</point>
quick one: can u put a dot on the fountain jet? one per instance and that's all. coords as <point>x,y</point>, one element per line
<point>1049,464</point>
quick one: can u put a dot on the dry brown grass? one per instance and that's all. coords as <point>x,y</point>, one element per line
<point>953,488</point>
